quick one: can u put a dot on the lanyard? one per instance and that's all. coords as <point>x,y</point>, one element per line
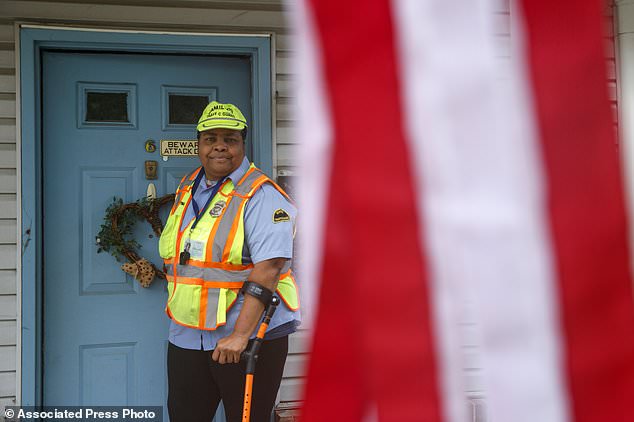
<point>185,255</point>
<point>214,191</point>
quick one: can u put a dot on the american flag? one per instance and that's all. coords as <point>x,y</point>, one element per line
<point>429,174</point>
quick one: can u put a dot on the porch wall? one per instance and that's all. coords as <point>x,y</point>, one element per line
<point>8,217</point>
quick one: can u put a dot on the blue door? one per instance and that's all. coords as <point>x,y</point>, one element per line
<point>105,335</point>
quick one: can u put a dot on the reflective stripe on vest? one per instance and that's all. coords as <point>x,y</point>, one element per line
<point>201,292</point>
<point>224,239</point>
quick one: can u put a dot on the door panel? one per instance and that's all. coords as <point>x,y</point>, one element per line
<point>104,334</point>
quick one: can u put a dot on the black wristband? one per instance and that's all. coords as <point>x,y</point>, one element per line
<point>258,291</point>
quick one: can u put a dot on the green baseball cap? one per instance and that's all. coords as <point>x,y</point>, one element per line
<point>218,115</point>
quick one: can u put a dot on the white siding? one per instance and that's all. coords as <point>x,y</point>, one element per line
<point>8,213</point>
<point>293,382</point>
<point>8,333</point>
<point>7,386</point>
<point>7,358</point>
<point>8,207</point>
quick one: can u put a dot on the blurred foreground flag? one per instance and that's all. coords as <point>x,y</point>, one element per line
<point>430,173</point>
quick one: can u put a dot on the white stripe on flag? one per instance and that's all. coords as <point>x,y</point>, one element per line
<point>519,309</point>
<point>476,162</point>
<point>432,38</point>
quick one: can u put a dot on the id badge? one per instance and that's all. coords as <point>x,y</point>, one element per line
<point>197,250</point>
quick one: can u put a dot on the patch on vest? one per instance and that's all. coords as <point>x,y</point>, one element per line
<point>280,215</point>
<point>217,208</point>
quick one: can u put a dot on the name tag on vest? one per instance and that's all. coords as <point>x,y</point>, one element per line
<point>197,249</point>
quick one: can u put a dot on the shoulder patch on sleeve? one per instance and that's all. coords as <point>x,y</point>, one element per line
<point>280,215</point>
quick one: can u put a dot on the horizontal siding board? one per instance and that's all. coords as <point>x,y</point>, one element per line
<point>7,108</point>
<point>285,87</point>
<point>7,157</point>
<point>7,358</point>
<point>285,110</point>
<point>8,181</point>
<point>286,154</point>
<point>6,33</point>
<point>286,134</point>
<point>7,282</point>
<point>7,83</point>
<point>7,384</point>
<point>295,366</point>
<point>7,58</point>
<point>7,257</point>
<point>8,231</point>
<point>298,342</point>
<point>8,333</point>
<point>284,42</point>
<point>8,206</point>
<point>8,307</point>
<point>284,63</point>
<point>6,401</point>
<point>291,389</point>
<point>7,134</point>
<point>72,12</point>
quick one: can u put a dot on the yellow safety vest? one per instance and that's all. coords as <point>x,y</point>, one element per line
<point>201,292</point>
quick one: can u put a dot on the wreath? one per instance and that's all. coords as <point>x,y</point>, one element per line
<point>114,236</point>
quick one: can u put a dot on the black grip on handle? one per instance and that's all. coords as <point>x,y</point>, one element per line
<point>250,355</point>
<point>270,310</point>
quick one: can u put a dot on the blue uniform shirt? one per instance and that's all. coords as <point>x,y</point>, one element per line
<point>265,240</point>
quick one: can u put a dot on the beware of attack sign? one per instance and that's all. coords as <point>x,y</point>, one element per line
<point>178,147</point>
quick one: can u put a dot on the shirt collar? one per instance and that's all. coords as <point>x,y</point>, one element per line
<point>242,169</point>
<point>235,176</point>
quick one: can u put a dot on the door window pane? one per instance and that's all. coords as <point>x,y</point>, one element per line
<point>102,107</point>
<point>186,109</point>
<point>183,105</point>
<point>103,104</point>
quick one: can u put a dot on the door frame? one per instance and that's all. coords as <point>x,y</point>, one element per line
<point>32,40</point>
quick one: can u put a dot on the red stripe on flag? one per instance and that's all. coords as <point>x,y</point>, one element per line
<point>373,337</point>
<point>586,205</point>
